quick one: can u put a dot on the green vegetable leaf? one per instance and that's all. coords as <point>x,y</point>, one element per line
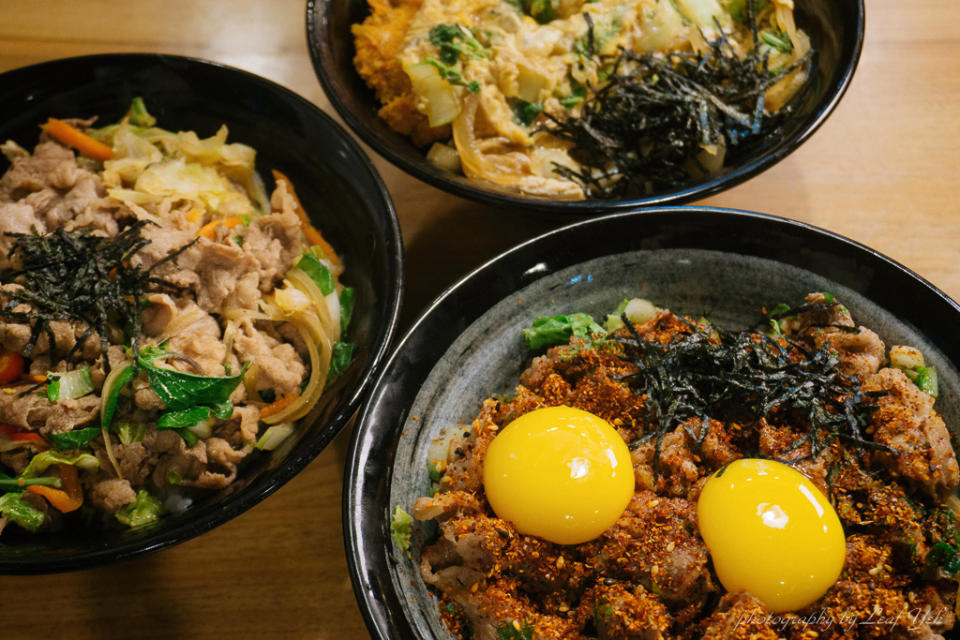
<point>223,410</point>
<point>193,416</point>
<point>435,474</point>
<point>347,302</point>
<point>597,37</point>
<point>15,509</point>
<point>542,11</point>
<point>75,439</point>
<point>20,483</point>
<point>511,632</point>
<point>738,8</point>
<point>113,395</point>
<point>130,431</point>
<point>188,437</point>
<point>268,395</point>
<point>179,390</point>
<point>614,320</point>
<point>143,511</point>
<point>453,76</point>
<point>942,555</point>
<point>525,112</point>
<point>573,99</point>
<point>401,528</point>
<point>138,114</point>
<point>779,310</point>
<point>779,41</point>
<point>310,265</point>
<point>454,40</point>
<point>40,462</point>
<point>558,329</point>
<point>775,328</point>
<point>340,358</point>
<point>927,380</point>
<point>183,418</point>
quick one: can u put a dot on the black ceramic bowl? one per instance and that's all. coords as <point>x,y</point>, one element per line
<point>338,186</point>
<point>467,346</point>
<point>836,30</point>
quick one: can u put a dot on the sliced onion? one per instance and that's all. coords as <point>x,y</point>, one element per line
<point>229,334</point>
<point>305,283</point>
<point>291,299</point>
<point>250,381</point>
<point>319,347</point>
<point>105,393</point>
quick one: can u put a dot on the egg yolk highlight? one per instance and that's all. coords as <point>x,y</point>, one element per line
<point>559,473</point>
<point>771,532</point>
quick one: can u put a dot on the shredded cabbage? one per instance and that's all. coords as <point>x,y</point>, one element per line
<point>41,461</point>
<point>150,164</point>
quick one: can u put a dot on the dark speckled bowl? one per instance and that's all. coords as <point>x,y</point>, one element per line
<point>467,346</point>
<point>338,186</point>
<point>836,29</point>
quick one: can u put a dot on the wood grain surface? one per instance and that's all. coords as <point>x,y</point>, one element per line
<point>882,171</point>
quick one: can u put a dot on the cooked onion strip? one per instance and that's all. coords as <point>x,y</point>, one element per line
<point>507,169</point>
<point>105,392</point>
<point>250,381</point>
<point>229,334</point>
<point>320,350</point>
<point>303,282</point>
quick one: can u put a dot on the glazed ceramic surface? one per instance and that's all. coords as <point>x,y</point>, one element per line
<point>836,30</point>
<point>339,188</point>
<point>723,265</point>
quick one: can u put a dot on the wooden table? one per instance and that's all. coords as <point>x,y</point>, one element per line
<point>882,170</point>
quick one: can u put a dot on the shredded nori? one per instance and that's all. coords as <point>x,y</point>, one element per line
<point>641,131</point>
<point>79,277</point>
<point>743,376</point>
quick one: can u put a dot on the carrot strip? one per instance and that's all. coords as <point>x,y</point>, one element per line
<point>278,405</point>
<point>26,437</point>
<point>12,365</point>
<point>15,434</point>
<point>77,139</point>
<point>209,229</point>
<point>313,234</point>
<point>65,500</point>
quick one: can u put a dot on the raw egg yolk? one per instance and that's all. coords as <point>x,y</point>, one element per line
<point>771,532</point>
<point>559,473</point>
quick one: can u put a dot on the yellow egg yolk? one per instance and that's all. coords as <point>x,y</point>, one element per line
<point>559,473</point>
<point>771,532</point>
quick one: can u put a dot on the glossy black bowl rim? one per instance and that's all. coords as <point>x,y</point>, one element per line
<point>367,537</point>
<point>317,25</point>
<point>313,443</point>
